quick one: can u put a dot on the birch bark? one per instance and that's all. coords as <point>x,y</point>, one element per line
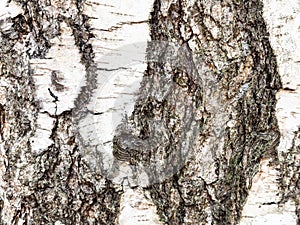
<point>101,124</point>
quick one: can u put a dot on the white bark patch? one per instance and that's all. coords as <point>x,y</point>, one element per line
<point>262,207</point>
<point>60,75</point>
<point>288,115</point>
<point>41,139</point>
<point>61,71</point>
<point>8,10</point>
<point>121,34</point>
<point>137,210</point>
<point>283,22</point>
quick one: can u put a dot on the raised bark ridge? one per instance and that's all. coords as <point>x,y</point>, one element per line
<point>230,39</point>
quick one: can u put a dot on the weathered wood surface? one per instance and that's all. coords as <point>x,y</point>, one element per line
<point>73,71</point>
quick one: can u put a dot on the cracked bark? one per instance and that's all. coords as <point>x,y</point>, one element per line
<point>224,95</point>
<point>52,186</point>
<point>218,194</point>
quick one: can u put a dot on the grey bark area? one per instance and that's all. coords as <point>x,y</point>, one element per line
<point>224,93</point>
<point>53,186</point>
<point>206,121</point>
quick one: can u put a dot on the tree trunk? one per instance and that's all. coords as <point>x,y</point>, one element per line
<point>164,112</point>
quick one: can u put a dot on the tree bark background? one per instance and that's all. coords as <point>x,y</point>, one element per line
<point>51,54</point>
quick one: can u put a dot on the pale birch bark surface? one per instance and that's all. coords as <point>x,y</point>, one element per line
<point>68,80</point>
<point>274,197</point>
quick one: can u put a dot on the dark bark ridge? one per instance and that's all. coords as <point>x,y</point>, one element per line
<point>239,59</point>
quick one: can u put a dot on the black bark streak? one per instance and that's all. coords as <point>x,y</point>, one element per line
<point>2,121</point>
<point>53,95</point>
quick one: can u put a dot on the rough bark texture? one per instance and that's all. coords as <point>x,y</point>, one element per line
<point>230,38</point>
<point>210,119</point>
<point>52,186</point>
